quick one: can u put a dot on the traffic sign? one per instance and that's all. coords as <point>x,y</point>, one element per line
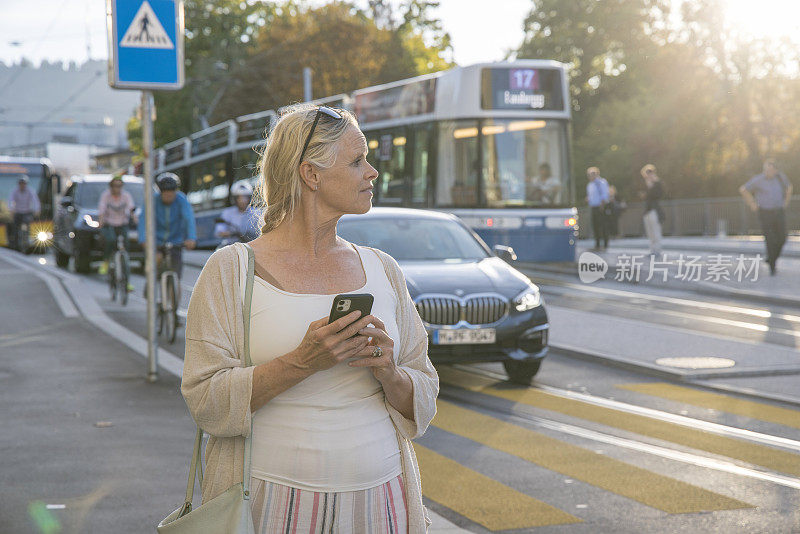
<point>145,43</point>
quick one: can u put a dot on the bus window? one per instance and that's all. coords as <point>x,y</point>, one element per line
<point>208,187</point>
<point>420,165</point>
<point>522,163</point>
<point>457,164</point>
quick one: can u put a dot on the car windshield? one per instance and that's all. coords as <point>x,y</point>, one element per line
<point>89,193</point>
<point>408,239</point>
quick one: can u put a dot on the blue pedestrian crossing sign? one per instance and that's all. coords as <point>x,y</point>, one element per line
<point>145,44</point>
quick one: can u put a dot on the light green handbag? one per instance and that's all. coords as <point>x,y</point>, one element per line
<point>229,512</point>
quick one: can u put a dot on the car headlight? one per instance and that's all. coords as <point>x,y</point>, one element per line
<point>91,223</point>
<point>528,299</point>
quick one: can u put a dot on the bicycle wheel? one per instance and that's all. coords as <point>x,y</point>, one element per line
<point>171,309</point>
<point>112,282</point>
<point>121,267</point>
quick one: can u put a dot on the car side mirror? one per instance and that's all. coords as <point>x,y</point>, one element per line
<point>505,253</point>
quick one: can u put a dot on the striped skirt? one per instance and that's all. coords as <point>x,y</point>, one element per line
<point>281,509</point>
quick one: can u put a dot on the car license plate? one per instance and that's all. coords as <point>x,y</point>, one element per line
<point>464,336</point>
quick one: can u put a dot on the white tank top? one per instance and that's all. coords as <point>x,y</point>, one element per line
<point>331,432</point>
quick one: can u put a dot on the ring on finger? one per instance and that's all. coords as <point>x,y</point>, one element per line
<point>377,352</point>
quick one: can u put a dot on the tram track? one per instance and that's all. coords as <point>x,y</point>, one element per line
<point>525,416</point>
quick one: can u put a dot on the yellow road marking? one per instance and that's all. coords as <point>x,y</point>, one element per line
<point>481,499</point>
<point>658,491</point>
<point>722,403</point>
<point>777,460</point>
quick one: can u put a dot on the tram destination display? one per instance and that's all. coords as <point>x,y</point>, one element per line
<point>522,88</point>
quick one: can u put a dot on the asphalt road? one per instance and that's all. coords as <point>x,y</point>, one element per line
<point>591,448</point>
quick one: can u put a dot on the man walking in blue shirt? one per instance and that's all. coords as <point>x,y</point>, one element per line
<point>597,197</point>
<point>768,194</point>
<point>174,221</point>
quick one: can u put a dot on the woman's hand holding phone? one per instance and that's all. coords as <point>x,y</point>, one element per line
<point>383,368</point>
<point>325,345</point>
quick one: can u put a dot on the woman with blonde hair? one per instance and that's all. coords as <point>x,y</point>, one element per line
<point>653,214</point>
<point>330,409</point>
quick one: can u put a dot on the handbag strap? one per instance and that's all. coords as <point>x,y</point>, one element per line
<point>248,300</point>
<point>196,465</point>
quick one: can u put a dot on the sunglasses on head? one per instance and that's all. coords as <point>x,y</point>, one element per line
<point>322,110</point>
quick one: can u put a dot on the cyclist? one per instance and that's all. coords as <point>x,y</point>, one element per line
<point>174,221</point>
<point>23,204</point>
<point>240,218</point>
<point>115,209</point>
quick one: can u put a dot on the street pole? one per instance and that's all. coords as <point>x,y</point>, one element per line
<point>307,84</point>
<point>150,231</point>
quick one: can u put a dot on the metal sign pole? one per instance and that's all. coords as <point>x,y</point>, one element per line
<point>150,230</point>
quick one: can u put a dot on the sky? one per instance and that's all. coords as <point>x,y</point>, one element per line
<point>73,30</point>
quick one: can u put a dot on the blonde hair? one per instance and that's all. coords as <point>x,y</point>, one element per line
<point>648,167</point>
<point>279,183</point>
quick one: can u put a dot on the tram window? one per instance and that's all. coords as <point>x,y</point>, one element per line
<point>522,163</point>
<point>209,184</point>
<point>392,150</point>
<point>421,156</point>
<point>457,164</point>
<point>246,165</point>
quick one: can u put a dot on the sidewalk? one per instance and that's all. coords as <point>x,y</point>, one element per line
<point>83,431</point>
<point>782,289</point>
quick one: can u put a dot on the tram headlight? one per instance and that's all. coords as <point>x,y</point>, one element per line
<point>528,299</point>
<point>560,222</point>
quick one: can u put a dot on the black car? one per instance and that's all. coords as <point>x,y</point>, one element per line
<point>475,306</point>
<point>76,230</point>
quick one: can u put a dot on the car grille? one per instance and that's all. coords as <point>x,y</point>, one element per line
<point>474,310</point>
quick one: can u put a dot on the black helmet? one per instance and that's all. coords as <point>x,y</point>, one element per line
<point>168,181</point>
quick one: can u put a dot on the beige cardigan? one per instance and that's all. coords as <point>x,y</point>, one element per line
<point>217,387</point>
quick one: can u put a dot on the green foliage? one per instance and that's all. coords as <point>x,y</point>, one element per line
<point>243,57</point>
<point>688,93</point>
<point>134,131</point>
<point>345,47</point>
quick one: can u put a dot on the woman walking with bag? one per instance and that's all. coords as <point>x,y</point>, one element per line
<point>327,411</point>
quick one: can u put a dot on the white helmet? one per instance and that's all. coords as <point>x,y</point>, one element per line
<point>242,189</point>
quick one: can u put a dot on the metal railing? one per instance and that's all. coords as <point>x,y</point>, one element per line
<point>695,216</point>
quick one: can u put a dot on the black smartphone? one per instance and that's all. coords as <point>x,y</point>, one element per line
<point>350,302</point>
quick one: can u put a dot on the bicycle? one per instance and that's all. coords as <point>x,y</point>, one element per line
<point>118,273</point>
<point>167,304</point>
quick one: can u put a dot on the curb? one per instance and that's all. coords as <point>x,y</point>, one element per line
<point>693,378</point>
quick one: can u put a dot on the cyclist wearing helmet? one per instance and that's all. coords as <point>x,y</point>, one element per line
<point>240,218</point>
<point>174,220</point>
<point>115,210</point>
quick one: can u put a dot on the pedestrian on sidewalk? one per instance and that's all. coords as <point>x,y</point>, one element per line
<point>614,208</point>
<point>653,212</point>
<point>115,211</point>
<point>333,407</point>
<point>597,198</point>
<point>769,194</point>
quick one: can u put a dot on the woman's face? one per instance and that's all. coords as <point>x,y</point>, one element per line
<point>347,186</point>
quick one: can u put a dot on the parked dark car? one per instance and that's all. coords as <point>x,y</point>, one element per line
<point>76,230</point>
<point>475,306</point>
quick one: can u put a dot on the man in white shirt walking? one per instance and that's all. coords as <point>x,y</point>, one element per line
<point>597,197</point>
<point>24,205</point>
